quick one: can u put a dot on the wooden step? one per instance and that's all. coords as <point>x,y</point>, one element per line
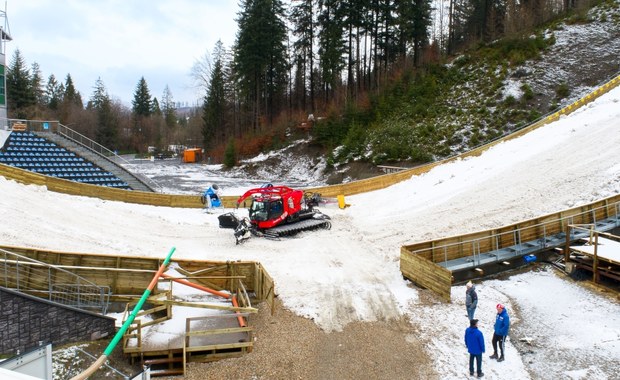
<point>163,361</point>
<point>166,372</point>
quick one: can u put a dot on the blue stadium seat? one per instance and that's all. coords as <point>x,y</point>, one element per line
<point>31,152</point>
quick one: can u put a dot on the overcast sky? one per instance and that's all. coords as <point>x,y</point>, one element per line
<point>120,41</point>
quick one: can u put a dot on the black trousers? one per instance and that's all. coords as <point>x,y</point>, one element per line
<point>478,359</point>
<point>498,339</point>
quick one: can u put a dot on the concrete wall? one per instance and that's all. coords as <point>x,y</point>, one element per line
<point>26,320</point>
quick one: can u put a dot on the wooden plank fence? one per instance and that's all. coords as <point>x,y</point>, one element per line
<point>128,276</point>
<point>419,261</point>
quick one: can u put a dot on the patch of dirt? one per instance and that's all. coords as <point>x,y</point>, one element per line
<point>291,347</point>
<point>352,171</point>
<point>287,346</point>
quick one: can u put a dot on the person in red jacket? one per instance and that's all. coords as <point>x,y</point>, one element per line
<point>474,340</point>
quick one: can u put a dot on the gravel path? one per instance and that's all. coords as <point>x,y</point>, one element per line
<point>291,347</point>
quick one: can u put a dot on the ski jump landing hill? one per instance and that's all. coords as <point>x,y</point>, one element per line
<point>435,264</point>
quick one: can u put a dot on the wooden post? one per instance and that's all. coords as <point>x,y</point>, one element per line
<point>567,245</point>
<point>595,266</point>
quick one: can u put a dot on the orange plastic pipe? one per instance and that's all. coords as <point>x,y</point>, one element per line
<point>195,286</point>
<point>239,317</point>
<point>208,290</point>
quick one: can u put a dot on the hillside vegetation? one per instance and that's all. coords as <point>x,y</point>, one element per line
<point>481,95</point>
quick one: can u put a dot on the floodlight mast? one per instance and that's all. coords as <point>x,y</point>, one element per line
<point>5,36</point>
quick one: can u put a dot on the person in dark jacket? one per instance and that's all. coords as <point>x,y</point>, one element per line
<point>474,340</point>
<point>502,325</point>
<point>471,300</point>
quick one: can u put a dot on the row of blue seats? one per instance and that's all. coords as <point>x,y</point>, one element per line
<point>36,158</point>
<point>16,140</point>
<point>43,161</point>
<point>98,181</point>
<point>62,169</point>
<point>68,167</point>
<point>30,145</point>
<point>99,176</point>
<point>59,163</point>
<point>13,158</point>
<point>23,150</point>
<point>23,134</point>
<point>65,157</point>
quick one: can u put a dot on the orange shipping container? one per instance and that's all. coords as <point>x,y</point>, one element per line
<point>192,155</point>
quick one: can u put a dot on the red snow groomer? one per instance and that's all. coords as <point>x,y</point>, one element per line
<point>277,211</point>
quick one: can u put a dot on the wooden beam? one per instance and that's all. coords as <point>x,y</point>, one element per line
<point>203,305</point>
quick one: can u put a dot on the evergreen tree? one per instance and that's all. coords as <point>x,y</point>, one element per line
<point>485,20</point>
<point>106,132</point>
<point>230,154</point>
<point>214,105</point>
<point>157,121</point>
<point>414,20</point>
<point>37,85</point>
<point>302,17</point>
<point>155,109</point>
<point>331,46</point>
<point>168,109</point>
<point>20,94</point>
<point>53,93</point>
<point>71,104</point>
<point>260,57</point>
<point>98,97</point>
<point>141,103</point>
<point>71,95</point>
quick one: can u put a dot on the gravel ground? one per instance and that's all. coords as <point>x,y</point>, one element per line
<point>291,347</point>
<point>288,346</point>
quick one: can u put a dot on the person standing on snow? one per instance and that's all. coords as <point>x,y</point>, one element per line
<point>474,340</point>
<point>502,325</point>
<point>471,300</point>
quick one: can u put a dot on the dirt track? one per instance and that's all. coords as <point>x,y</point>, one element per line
<point>291,347</point>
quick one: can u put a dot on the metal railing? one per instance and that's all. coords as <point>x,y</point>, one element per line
<point>94,146</point>
<point>36,278</point>
<point>544,233</point>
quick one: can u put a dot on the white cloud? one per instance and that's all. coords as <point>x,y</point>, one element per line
<point>121,41</point>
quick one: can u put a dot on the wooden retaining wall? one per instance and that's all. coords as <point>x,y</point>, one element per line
<point>418,261</point>
<point>420,269</point>
<point>128,276</point>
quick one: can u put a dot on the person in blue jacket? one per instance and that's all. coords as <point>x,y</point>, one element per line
<point>502,325</point>
<point>474,340</point>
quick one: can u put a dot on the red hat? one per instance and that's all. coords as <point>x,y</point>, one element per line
<point>499,306</point>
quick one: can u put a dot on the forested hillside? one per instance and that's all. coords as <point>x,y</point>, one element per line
<point>372,80</point>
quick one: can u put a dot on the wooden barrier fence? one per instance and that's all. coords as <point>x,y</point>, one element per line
<point>419,261</point>
<point>128,276</point>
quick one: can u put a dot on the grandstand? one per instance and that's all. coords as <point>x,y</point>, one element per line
<point>25,150</point>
